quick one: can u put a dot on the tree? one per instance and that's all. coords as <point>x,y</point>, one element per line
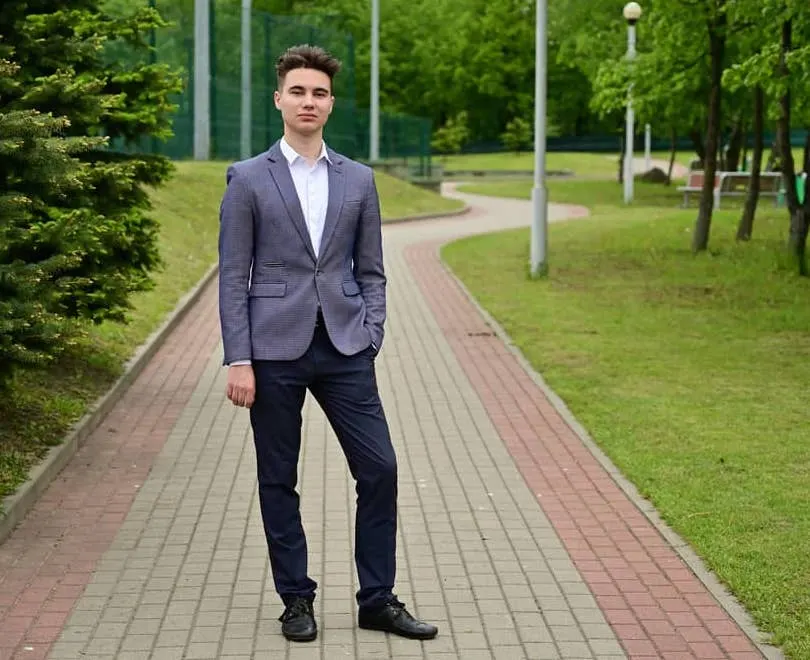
<point>746,225</point>
<point>667,75</point>
<point>777,65</point>
<point>450,138</point>
<point>65,69</point>
<point>442,57</point>
<point>716,27</point>
<point>37,170</point>
<point>518,135</point>
<point>798,213</point>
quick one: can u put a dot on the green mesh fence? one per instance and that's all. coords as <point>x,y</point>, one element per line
<point>401,137</point>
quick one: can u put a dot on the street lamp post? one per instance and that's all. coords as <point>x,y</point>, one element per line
<point>374,127</point>
<point>246,120</point>
<point>632,12</point>
<point>202,80</point>
<point>538,264</point>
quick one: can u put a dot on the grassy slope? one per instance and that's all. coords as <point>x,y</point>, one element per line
<point>690,371</point>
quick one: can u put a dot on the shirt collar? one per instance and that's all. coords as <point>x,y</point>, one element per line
<point>292,155</point>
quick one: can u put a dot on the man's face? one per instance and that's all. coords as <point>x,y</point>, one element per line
<point>305,100</point>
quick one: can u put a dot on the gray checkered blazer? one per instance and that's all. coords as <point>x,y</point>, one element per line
<point>271,283</point>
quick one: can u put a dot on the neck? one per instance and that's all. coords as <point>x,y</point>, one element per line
<point>308,146</point>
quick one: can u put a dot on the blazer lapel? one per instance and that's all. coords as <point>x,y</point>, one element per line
<point>337,187</point>
<point>283,179</point>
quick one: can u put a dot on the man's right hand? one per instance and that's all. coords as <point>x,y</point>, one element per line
<point>241,385</point>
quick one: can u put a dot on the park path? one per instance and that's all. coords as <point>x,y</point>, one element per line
<point>678,171</point>
<point>514,536</point>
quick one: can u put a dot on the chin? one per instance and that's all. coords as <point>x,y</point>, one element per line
<point>308,129</point>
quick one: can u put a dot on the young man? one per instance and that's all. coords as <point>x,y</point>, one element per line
<point>302,306</point>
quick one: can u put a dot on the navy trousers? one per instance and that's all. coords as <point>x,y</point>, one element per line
<point>346,389</point>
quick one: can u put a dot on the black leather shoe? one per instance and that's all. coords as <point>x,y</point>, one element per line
<point>394,618</point>
<point>298,621</point>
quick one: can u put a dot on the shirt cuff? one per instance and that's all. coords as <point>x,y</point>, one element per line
<point>239,363</point>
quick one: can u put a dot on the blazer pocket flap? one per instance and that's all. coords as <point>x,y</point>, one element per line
<point>351,288</point>
<point>268,289</point>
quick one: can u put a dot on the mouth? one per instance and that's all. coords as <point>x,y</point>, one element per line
<point>307,116</point>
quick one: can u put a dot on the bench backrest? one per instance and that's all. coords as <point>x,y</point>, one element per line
<point>695,179</point>
<point>769,182</point>
<point>734,182</point>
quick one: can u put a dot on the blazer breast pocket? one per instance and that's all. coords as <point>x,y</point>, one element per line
<point>352,206</point>
<point>268,290</point>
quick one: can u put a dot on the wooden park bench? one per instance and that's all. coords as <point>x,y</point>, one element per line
<point>735,184</point>
<point>694,184</point>
<point>732,184</point>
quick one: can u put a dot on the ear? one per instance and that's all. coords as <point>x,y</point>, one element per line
<point>331,105</point>
<point>277,99</point>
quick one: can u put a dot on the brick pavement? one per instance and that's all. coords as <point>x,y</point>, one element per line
<point>149,545</point>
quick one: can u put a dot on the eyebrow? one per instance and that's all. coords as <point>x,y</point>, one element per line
<point>315,89</point>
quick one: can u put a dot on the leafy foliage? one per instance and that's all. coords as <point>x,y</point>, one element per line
<point>76,237</point>
<point>450,138</point>
<point>518,135</point>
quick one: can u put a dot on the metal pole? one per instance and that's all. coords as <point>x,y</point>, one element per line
<point>374,129</point>
<point>247,100</point>
<point>647,148</point>
<point>202,80</point>
<point>268,82</point>
<point>539,265</point>
<point>628,151</point>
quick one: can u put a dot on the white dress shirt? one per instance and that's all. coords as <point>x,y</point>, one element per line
<point>312,186</point>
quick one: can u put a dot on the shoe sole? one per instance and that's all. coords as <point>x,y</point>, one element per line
<point>366,626</point>
<point>302,638</point>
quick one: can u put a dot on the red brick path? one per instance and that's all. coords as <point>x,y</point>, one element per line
<point>49,559</point>
<point>655,604</point>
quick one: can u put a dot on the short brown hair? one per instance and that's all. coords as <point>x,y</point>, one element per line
<point>306,57</point>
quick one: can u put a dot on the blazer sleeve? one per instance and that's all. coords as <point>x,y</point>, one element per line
<point>235,263</point>
<point>368,262</point>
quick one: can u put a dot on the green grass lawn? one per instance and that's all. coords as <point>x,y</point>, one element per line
<point>591,165</point>
<point>690,372</point>
<point>43,403</point>
<point>594,193</point>
<point>399,199</point>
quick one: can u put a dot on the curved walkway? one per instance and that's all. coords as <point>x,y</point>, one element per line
<point>513,536</point>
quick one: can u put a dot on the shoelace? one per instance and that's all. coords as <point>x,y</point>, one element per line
<point>297,608</point>
<point>398,605</point>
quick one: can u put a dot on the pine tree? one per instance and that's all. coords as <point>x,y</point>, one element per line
<point>36,170</point>
<point>93,69</point>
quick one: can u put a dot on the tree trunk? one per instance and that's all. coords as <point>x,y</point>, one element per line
<point>801,239</point>
<point>746,225</point>
<point>745,163</point>
<point>735,144</point>
<point>806,159</point>
<point>673,150</point>
<point>697,142</point>
<point>717,45</point>
<point>798,218</point>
